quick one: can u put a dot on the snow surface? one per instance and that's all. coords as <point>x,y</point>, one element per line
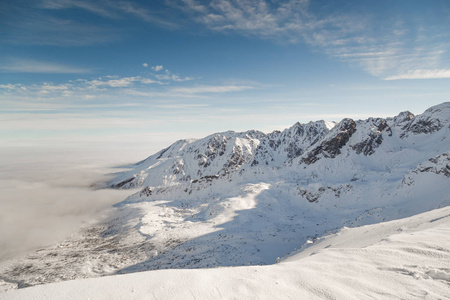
<point>240,199</point>
<point>402,259</point>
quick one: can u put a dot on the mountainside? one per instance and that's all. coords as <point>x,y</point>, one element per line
<point>222,155</point>
<point>250,198</point>
<point>401,259</point>
<point>228,155</point>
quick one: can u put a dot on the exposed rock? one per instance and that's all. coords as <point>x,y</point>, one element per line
<point>438,165</point>
<point>230,152</point>
<point>331,147</point>
<point>375,138</point>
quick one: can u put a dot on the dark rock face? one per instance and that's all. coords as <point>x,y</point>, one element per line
<point>375,138</point>
<point>425,126</point>
<point>216,147</point>
<point>426,123</point>
<point>230,152</point>
<point>147,191</point>
<point>178,167</point>
<point>313,195</point>
<point>290,143</point>
<point>124,184</point>
<point>236,160</point>
<point>438,165</point>
<point>331,147</point>
<point>403,117</point>
<point>162,153</point>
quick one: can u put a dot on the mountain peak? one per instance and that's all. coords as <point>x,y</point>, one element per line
<point>247,198</point>
<point>229,153</point>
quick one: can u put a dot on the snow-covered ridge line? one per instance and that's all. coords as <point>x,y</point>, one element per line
<point>223,154</point>
<point>237,199</point>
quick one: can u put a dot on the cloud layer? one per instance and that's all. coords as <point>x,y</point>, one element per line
<point>16,65</point>
<point>422,74</point>
<point>46,196</point>
<point>383,47</point>
<point>383,44</point>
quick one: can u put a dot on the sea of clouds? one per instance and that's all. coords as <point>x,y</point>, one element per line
<point>49,190</point>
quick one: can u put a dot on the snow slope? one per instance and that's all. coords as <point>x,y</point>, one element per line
<point>238,199</point>
<point>401,259</point>
<point>240,156</point>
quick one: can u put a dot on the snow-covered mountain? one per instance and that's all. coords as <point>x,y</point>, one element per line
<point>250,198</point>
<point>223,155</point>
<point>231,155</point>
<point>402,259</point>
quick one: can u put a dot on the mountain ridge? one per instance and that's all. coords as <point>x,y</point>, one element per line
<point>235,199</point>
<point>277,149</point>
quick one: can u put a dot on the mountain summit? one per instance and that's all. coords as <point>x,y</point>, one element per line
<point>250,198</point>
<point>230,155</point>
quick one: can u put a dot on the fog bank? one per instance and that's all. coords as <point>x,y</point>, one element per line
<point>46,191</point>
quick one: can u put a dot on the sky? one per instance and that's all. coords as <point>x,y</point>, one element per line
<point>145,73</point>
<point>87,85</point>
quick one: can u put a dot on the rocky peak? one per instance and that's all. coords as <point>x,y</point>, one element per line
<point>228,153</point>
<point>331,146</point>
<point>403,117</point>
<point>432,120</point>
<point>376,128</point>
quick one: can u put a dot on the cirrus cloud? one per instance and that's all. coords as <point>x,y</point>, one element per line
<point>422,74</point>
<point>381,45</point>
<point>18,65</point>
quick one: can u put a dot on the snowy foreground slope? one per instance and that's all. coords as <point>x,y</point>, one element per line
<point>239,199</point>
<point>401,259</point>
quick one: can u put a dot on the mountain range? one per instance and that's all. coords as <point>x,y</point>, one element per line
<point>251,198</point>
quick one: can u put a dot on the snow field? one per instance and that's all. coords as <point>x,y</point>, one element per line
<point>402,259</point>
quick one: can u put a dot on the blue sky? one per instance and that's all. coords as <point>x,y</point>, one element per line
<point>166,69</point>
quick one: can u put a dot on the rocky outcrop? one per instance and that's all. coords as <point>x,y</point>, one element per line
<point>432,120</point>
<point>439,165</point>
<point>375,138</point>
<point>250,152</point>
<point>331,146</point>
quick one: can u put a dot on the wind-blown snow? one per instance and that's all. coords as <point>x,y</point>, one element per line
<point>402,259</point>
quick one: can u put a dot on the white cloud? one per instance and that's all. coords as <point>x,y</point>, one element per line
<point>90,6</point>
<point>81,88</point>
<point>35,27</point>
<point>119,82</point>
<point>190,92</point>
<point>145,65</point>
<point>122,82</point>
<point>146,15</point>
<point>48,88</point>
<point>256,17</point>
<point>380,45</point>
<point>17,65</point>
<point>42,24</point>
<point>181,106</point>
<point>212,89</point>
<point>71,121</point>
<point>12,87</point>
<point>422,74</point>
<point>51,96</point>
<point>157,68</point>
<point>172,77</point>
<point>111,9</point>
<point>150,81</point>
